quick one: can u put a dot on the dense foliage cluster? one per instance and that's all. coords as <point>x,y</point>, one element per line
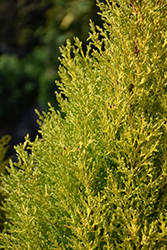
<point>97,178</point>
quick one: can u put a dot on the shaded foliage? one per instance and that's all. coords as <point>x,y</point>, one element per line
<point>4,141</point>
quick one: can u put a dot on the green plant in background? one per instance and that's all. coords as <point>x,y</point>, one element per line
<point>18,83</point>
<point>4,141</point>
<point>24,22</point>
<point>97,178</point>
<point>37,28</point>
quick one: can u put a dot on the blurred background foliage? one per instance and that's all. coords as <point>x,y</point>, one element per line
<point>30,35</point>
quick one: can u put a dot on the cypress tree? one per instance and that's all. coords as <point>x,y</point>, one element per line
<point>97,177</point>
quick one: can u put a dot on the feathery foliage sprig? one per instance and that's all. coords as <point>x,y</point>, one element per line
<point>4,141</point>
<point>97,179</point>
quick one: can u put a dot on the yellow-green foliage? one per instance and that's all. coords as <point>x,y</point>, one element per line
<point>3,163</point>
<point>3,150</point>
<point>98,177</point>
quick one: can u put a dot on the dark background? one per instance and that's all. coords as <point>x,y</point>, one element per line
<point>30,35</point>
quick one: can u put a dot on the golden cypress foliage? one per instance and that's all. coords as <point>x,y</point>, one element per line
<point>97,179</point>
<point>3,163</point>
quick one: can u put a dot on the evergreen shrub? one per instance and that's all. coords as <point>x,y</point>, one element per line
<point>97,179</point>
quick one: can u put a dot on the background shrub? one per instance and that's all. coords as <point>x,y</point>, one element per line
<point>37,30</point>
